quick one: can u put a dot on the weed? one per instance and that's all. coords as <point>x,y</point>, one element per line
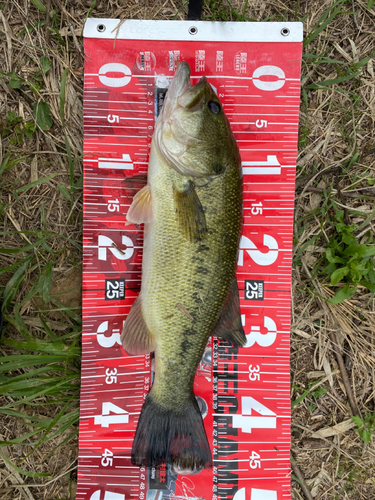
<point>42,115</point>
<point>348,261</point>
<point>365,426</point>
<point>15,130</point>
<point>315,390</point>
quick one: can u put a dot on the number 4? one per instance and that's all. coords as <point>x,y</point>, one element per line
<point>107,458</point>
<point>105,419</point>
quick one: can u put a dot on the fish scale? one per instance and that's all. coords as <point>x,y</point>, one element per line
<point>180,281</point>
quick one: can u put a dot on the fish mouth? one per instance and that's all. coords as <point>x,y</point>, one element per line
<point>192,98</point>
<point>179,85</point>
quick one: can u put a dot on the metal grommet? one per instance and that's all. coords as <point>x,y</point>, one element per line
<point>285,31</point>
<point>193,30</point>
<point>100,28</point>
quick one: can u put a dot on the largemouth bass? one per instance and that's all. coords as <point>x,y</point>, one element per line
<point>192,210</point>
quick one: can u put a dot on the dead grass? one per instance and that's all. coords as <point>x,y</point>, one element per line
<point>336,161</point>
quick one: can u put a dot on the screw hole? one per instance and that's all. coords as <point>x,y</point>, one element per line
<point>193,30</point>
<point>285,31</point>
<point>100,28</point>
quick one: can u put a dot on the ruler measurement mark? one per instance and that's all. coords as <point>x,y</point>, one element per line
<point>275,375</point>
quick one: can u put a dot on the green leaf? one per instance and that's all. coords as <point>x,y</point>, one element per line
<point>329,269</point>
<point>357,420</point>
<point>22,471</point>
<point>18,323</point>
<point>29,127</point>
<point>35,183</point>
<point>46,283</point>
<point>366,435</point>
<point>323,22</point>
<point>62,95</point>
<point>362,62</point>
<point>41,112</point>
<point>57,348</point>
<point>368,285</point>
<point>64,191</point>
<point>369,251</point>
<point>343,294</point>
<point>331,257</point>
<point>333,81</point>
<point>14,83</point>
<point>38,4</point>
<point>14,283</point>
<point>45,64</point>
<point>339,274</point>
<point>17,361</point>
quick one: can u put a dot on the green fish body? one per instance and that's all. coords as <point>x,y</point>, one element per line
<point>192,209</point>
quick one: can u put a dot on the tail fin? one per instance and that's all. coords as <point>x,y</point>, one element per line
<point>175,437</point>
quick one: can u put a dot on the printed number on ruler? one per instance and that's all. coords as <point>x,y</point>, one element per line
<point>255,461</point>
<point>269,167</point>
<point>113,205</point>
<point>262,259</point>
<point>107,458</point>
<point>253,290</point>
<point>247,422</point>
<point>107,341</point>
<point>108,495</point>
<point>255,335</point>
<point>125,76</point>
<point>274,71</point>
<point>104,243</point>
<point>256,494</point>
<point>105,419</point>
<point>257,208</point>
<point>254,373</point>
<point>111,376</point>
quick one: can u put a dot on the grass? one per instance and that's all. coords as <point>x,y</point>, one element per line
<point>40,249</point>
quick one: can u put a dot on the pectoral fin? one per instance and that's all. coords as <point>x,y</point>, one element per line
<point>229,325</point>
<point>136,338</point>
<point>189,211</point>
<point>140,210</point>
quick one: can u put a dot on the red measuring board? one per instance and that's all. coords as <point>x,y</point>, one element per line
<point>244,393</point>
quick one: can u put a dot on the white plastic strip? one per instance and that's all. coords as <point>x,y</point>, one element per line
<point>135,29</point>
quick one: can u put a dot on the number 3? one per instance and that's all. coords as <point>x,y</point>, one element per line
<point>255,337</point>
<point>254,373</point>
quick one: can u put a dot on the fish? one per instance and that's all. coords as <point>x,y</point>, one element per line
<point>192,210</point>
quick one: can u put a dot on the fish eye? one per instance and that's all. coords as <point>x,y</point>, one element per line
<point>214,107</point>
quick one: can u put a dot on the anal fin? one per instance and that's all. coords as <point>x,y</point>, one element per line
<point>136,338</point>
<point>228,325</point>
